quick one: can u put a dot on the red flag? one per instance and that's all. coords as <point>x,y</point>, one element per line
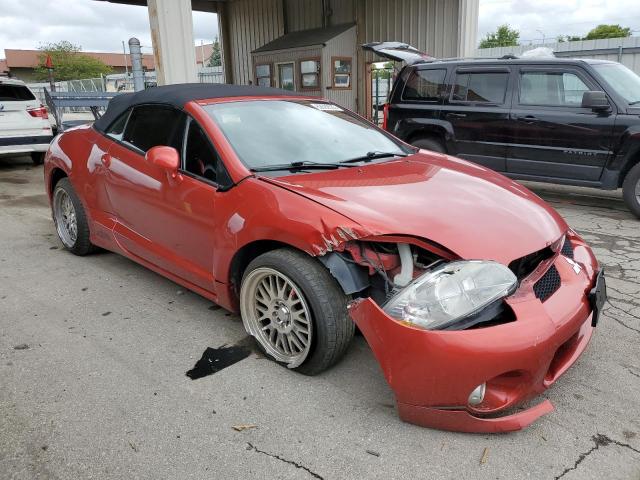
<point>48,63</point>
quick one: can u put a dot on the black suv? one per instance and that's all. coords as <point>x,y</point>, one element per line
<point>570,121</point>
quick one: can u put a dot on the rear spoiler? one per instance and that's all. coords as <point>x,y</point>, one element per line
<point>398,52</point>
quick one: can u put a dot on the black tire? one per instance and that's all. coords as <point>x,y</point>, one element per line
<point>429,144</point>
<point>631,190</point>
<point>37,158</point>
<point>82,245</point>
<point>333,329</point>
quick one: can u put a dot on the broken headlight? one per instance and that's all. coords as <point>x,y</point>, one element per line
<point>451,292</point>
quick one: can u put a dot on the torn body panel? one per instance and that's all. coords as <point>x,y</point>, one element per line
<point>433,373</point>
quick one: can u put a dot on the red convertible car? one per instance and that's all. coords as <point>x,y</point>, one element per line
<point>474,295</point>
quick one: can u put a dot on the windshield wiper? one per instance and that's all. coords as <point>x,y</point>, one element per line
<point>634,103</point>
<point>293,166</point>
<point>369,156</point>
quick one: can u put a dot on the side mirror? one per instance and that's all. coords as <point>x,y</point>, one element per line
<point>166,158</point>
<point>596,101</point>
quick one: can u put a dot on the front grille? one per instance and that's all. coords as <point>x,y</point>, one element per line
<point>548,284</point>
<point>523,267</point>
<point>567,249</point>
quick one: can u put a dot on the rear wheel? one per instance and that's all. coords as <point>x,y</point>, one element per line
<point>631,190</point>
<point>37,158</point>
<point>295,310</point>
<point>429,144</point>
<point>70,220</point>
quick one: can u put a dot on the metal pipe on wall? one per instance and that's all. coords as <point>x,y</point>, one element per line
<point>136,64</point>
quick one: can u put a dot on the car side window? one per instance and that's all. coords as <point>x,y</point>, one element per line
<point>424,85</point>
<point>116,129</point>
<point>153,125</point>
<point>200,158</point>
<point>553,89</point>
<point>480,87</point>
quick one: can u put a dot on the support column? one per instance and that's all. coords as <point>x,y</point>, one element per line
<point>224,37</point>
<point>468,12</point>
<point>171,24</point>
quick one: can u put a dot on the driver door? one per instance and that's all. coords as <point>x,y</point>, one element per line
<point>165,222</point>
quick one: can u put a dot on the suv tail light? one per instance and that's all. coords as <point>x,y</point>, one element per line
<point>38,112</point>
<point>385,116</point>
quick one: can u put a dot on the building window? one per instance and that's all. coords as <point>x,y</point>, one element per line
<point>310,73</point>
<point>341,72</point>
<point>263,75</point>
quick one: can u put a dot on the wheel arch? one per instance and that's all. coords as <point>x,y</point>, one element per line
<point>56,175</point>
<point>633,159</point>
<point>245,255</point>
<point>435,132</point>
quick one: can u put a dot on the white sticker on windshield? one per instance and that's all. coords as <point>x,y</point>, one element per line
<point>230,118</point>
<point>326,107</point>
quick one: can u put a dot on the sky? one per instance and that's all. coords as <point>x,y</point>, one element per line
<point>95,26</point>
<point>538,19</point>
<point>102,26</point>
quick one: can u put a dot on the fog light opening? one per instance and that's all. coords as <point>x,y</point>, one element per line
<point>477,395</point>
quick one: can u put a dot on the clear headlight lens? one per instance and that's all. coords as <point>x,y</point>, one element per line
<point>451,292</point>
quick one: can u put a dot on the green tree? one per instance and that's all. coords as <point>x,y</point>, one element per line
<point>608,31</point>
<point>69,63</point>
<point>385,72</point>
<point>568,38</point>
<point>215,60</point>
<point>504,36</point>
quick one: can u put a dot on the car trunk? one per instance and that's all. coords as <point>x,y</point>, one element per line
<point>398,52</point>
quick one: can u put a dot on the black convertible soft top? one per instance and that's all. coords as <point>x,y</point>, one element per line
<point>178,95</point>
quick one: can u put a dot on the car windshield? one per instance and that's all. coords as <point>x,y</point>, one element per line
<point>623,80</point>
<point>270,133</point>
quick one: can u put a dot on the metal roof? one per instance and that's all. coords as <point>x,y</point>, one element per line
<point>196,5</point>
<point>304,38</point>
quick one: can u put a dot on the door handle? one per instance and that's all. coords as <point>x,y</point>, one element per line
<point>528,119</point>
<point>106,160</point>
<point>457,115</point>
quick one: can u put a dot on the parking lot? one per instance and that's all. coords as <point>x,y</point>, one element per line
<point>94,353</point>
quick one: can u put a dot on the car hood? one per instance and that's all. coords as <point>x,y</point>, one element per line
<point>472,211</point>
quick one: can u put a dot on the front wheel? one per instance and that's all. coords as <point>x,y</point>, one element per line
<point>631,190</point>
<point>295,310</point>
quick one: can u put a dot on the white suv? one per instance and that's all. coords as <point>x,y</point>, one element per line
<point>24,121</point>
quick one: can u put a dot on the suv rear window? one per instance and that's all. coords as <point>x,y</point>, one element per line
<point>424,85</point>
<point>9,93</point>
<point>486,87</point>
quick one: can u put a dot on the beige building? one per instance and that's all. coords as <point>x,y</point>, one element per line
<point>441,28</point>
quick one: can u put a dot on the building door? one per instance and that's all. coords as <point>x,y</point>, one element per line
<point>380,78</point>
<point>286,76</point>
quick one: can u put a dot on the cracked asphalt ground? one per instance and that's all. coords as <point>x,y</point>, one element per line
<point>94,351</point>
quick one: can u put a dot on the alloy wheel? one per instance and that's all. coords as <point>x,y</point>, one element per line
<point>64,214</point>
<point>276,313</point>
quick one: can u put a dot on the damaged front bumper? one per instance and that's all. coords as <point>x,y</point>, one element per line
<point>433,372</point>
